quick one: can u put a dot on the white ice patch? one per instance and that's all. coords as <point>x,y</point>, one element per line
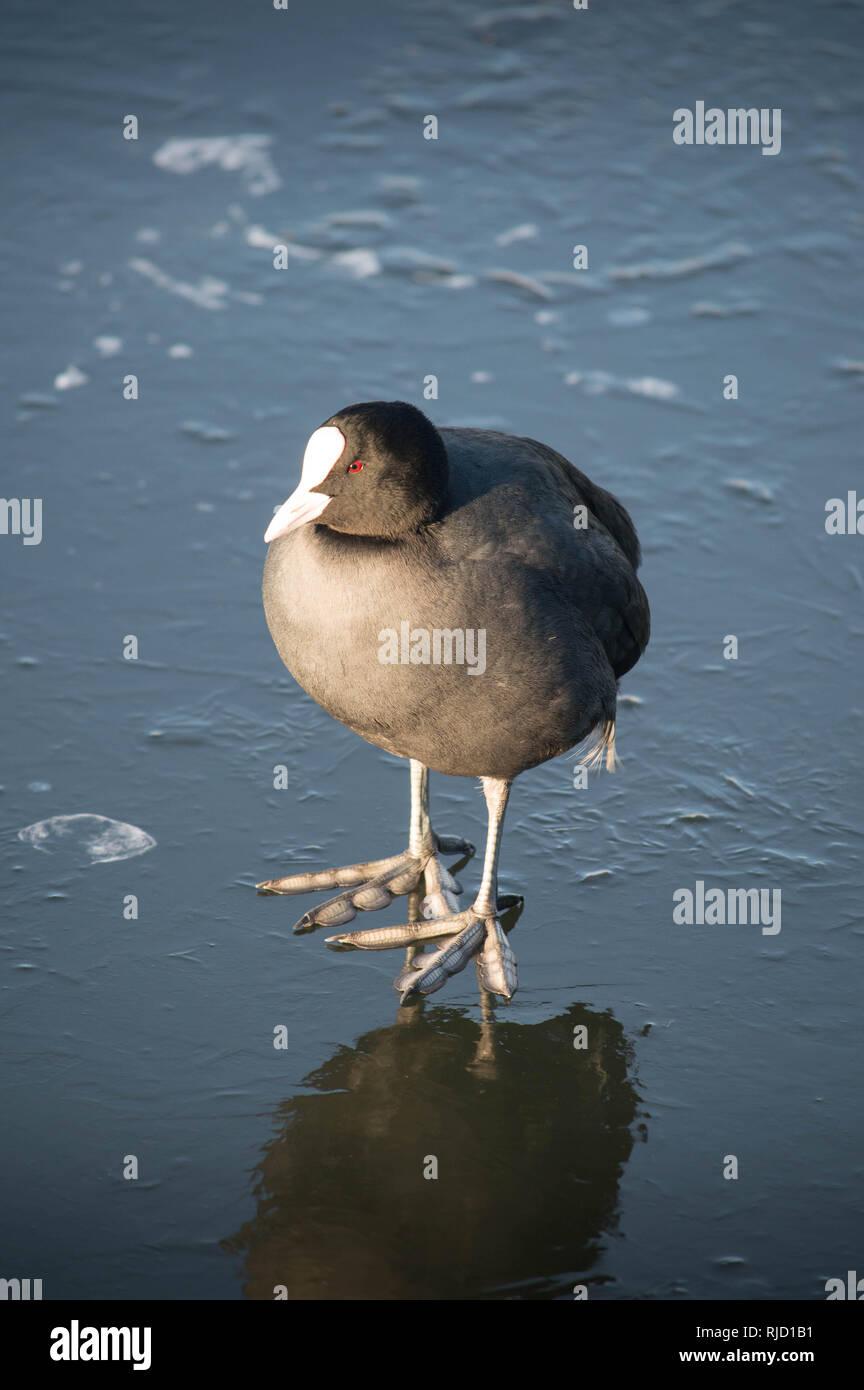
<point>68,380</point>
<point>718,259</point>
<point>521,282</point>
<point>447,282</point>
<point>599,383</point>
<point>268,241</point>
<point>245,154</point>
<point>209,293</point>
<point>361,262</point>
<point>759,491</point>
<point>259,236</point>
<point>653,387</point>
<point>709,308</point>
<point>108,346</point>
<point>524,232</point>
<point>408,260</point>
<point>99,838</point>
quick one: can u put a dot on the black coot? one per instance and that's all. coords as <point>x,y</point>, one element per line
<point>468,600</point>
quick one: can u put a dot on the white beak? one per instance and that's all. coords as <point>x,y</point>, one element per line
<point>324,448</point>
<point>302,506</point>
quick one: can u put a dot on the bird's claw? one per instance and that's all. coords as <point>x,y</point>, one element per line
<point>373,885</point>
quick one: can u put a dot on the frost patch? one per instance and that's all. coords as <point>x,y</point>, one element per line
<point>247,155</point>
<point>99,838</point>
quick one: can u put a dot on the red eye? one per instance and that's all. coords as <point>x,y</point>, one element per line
<point>355,466</point>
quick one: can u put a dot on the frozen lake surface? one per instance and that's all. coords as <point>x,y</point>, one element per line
<point>409,258</point>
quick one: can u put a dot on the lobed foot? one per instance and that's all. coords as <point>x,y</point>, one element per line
<point>374,885</point>
<point>482,937</point>
<point>473,933</point>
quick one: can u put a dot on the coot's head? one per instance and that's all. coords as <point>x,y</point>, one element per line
<point>377,469</point>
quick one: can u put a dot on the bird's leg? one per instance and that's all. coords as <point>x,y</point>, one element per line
<point>425,846</point>
<point>475,930</point>
<point>374,884</point>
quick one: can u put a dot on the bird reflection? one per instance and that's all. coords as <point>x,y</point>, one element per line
<point>528,1136</point>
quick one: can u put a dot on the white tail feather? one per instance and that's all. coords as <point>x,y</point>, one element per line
<point>599,747</point>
